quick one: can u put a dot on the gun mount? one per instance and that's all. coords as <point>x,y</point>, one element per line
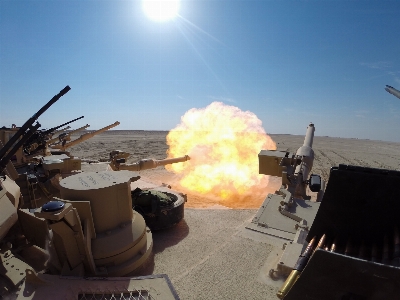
<point>83,137</point>
<point>293,168</point>
<point>289,213</point>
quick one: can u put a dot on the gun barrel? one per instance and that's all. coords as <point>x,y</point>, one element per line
<point>52,101</point>
<point>309,138</point>
<point>307,153</point>
<point>392,91</point>
<point>30,121</point>
<point>86,136</point>
<point>169,161</point>
<point>54,140</point>
<point>78,129</point>
<point>59,126</point>
<point>146,164</point>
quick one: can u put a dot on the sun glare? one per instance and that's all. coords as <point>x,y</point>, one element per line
<point>161,10</point>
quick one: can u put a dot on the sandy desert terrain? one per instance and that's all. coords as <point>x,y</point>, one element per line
<point>329,152</point>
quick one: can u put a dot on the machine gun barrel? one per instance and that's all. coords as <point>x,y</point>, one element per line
<point>31,120</point>
<point>84,137</point>
<point>59,126</point>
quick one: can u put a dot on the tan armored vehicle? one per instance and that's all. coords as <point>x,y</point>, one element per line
<point>340,242</point>
<point>87,234</point>
<point>95,233</point>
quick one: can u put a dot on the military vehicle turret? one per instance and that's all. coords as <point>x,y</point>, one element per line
<point>74,244</point>
<point>161,207</point>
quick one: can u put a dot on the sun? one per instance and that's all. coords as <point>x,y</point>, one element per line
<point>161,10</point>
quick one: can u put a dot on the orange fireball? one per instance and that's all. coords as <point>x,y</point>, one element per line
<point>223,143</point>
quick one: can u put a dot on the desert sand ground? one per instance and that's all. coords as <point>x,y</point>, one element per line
<point>210,254</point>
<point>329,152</point>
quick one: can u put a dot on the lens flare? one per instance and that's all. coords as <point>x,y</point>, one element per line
<point>161,10</point>
<point>223,143</point>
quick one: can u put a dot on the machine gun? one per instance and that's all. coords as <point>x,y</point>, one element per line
<point>289,212</point>
<point>52,130</point>
<point>26,132</point>
<point>293,168</point>
<point>38,141</point>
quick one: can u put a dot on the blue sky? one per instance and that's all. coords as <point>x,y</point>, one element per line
<point>289,62</point>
